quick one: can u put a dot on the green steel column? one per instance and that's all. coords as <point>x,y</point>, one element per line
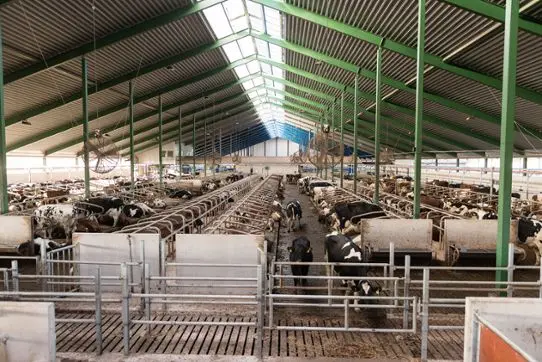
<point>355,148</point>
<point>378,110</point>
<point>507,132</point>
<point>194,147</point>
<point>326,121</point>
<point>342,138</point>
<point>160,121</point>
<point>205,147</point>
<point>84,76</point>
<point>333,138</point>
<point>419,109</point>
<point>131,120</point>
<point>3,159</point>
<point>180,148</point>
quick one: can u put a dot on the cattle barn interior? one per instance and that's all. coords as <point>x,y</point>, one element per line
<point>276,180</point>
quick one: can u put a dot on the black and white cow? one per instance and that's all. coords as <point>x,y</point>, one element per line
<point>137,210</point>
<point>529,234</point>
<point>346,216</point>
<point>293,213</point>
<point>180,194</point>
<point>341,249</point>
<point>300,251</point>
<point>49,217</point>
<point>34,247</point>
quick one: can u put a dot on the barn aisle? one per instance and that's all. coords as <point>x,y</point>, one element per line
<point>310,227</point>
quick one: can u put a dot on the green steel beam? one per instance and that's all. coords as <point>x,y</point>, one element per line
<point>507,134</point>
<point>84,88</point>
<point>471,111</point>
<point>194,147</point>
<point>154,113</point>
<point>402,109</point>
<point>4,197</point>
<point>113,38</point>
<point>355,148</point>
<point>342,138</point>
<point>235,109</point>
<point>131,120</point>
<point>180,147</point>
<point>494,12</point>
<point>395,47</point>
<point>142,98</point>
<point>125,78</point>
<point>418,134</point>
<point>160,144</point>
<point>378,116</point>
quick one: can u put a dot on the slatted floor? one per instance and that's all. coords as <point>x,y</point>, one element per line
<point>227,340</point>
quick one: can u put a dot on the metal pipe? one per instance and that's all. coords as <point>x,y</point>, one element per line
<point>418,129</point>
<point>125,309</point>
<point>378,111</point>
<point>98,307</point>
<point>406,292</point>
<point>84,76</point>
<point>508,114</point>
<point>194,146</point>
<point>160,138</point>
<point>425,314</point>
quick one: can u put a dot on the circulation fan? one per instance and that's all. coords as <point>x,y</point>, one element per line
<point>103,154</point>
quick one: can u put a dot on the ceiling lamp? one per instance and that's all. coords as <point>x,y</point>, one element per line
<point>26,122</point>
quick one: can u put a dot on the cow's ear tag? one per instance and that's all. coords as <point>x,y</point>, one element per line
<point>309,250</point>
<point>290,249</point>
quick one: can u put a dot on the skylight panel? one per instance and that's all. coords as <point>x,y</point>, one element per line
<point>261,92</point>
<point>262,47</point>
<point>246,46</point>
<point>276,52</point>
<point>239,24</point>
<point>248,85</point>
<point>241,71</point>
<point>266,68</point>
<point>257,24</point>
<point>277,72</point>
<point>258,81</point>
<point>272,22</point>
<point>268,82</point>
<point>232,51</point>
<point>234,8</point>
<point>217,19</point>
<point>253,67</point>
<point>254,9</point>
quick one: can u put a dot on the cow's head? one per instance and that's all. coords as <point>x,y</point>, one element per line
<point>299,252</point>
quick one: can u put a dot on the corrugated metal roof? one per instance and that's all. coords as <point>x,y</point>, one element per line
<point>33,30</point>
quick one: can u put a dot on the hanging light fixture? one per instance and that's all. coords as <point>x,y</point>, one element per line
<point>26,122</point>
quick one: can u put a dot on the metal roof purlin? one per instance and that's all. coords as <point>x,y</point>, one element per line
<point>494,12</point>
<point>471,111</point>
<point>145,116</point>
<point>125,77</point>
<point>394,46</point>
<point>120,107</point>
<point>111,39</point>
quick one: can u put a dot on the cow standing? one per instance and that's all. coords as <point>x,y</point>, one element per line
<point>293,213</point>
<point>529,234</point>
<point>300,251</point>
<point>341,249</point>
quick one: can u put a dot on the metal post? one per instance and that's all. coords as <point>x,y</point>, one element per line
<point>378,110</point>
<point>342,138</point>
<point>425,314</point>
<point>4,202</point>
<point>540,281</point>
<point>419,109</point>
<point>406,289</point>
<point>333,139</point>
<point>125,309</point>
<point>160,138</point>
<point>98,307</point>
<point>194,147</point>
<point>205,147</point>
<point>15,275</point>
<point>355,120</point>
<point>146,270</point>
<point>510,269</point>
<point>525,163</point>
<point>271,288</point>
<point>507,132</point>
<point>346,315</point>
<point>392,271</point>
<point>131,120</point>
<point>260,325</point>
<point>180,148</point>
<point>44,265</point>
<point>84,76</point>
<point>486,163</point>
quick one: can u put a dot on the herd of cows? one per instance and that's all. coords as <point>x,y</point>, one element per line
<point>58,209</point>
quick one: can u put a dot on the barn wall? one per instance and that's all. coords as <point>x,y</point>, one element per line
<point>276,147</point>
